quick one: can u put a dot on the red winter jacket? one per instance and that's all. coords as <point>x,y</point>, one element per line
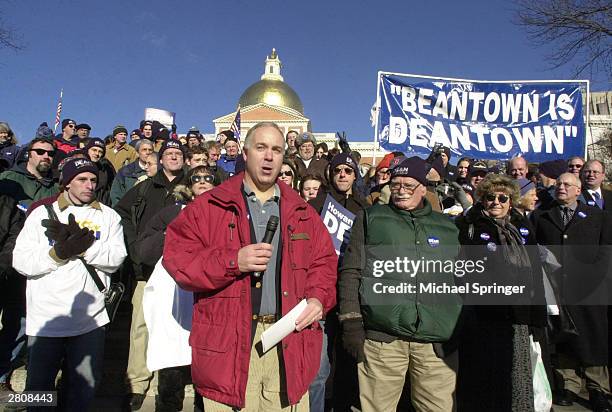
<point>201,254</point>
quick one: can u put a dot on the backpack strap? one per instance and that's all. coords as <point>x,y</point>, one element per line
<point>90,269</point>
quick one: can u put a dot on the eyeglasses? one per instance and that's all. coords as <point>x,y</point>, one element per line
<point>396,187</point>
<point>41,152</point>
<point>575,166</point>
<point>287,173</point>
<point>347,171</point>
<point>71,126</point>
<point>200,178</point>
<point>492,196</point>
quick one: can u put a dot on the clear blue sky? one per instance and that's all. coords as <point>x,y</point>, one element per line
<point>114,58</point>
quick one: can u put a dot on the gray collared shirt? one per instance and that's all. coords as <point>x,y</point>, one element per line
<point>259,215</point>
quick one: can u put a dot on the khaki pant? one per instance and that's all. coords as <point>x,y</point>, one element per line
<point>382,376</point>
<point>263,392</point>
<point>139,377</point>
<point>596,377</point>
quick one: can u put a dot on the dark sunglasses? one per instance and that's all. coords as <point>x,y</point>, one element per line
<point>287,173</point>
<point>71,126</point>
<point>41,152</point>
<point>199,178</point>
<point>492,196</point>
<point>347,171</point>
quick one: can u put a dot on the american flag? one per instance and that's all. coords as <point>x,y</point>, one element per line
<point>235,127</point>
<point>58,114</point>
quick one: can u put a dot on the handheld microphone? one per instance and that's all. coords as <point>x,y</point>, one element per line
<point>269,235</point>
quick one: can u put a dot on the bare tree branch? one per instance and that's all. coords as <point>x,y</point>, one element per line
<point>8,37</point>
<point>578,32</point>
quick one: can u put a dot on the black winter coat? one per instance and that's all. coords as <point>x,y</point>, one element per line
<point>479,238</point>
<point>12,284</point>
<point>155,194</point>
<point>352,203</point>
<point>583,250</point>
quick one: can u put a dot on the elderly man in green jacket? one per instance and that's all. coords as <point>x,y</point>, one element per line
<point>391,324</point>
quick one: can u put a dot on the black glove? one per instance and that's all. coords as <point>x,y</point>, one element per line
<point>73,226</point>
<point>342,141</point>
<point>56,231</point>
<point>75,244</point>
<point>353,338</point>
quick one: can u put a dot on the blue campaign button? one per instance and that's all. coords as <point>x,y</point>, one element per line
<point>524,231</point>
<point>591,203</point>
<point>433,241</point>
<point>582,214</point>
<point>485,236</point>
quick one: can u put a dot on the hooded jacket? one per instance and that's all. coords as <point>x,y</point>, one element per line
<point>201,254</point>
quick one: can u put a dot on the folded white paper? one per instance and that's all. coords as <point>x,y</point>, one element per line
<point>275,333</point>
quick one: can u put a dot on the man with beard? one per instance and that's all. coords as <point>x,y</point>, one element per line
<point>31,180</point>
<point>305,161</point>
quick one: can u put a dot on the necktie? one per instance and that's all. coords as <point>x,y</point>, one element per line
<point>598,200</point>
<point>566,215</point>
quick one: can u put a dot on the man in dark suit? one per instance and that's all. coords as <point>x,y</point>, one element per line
<point>593,174</point>
<point>578,235</point>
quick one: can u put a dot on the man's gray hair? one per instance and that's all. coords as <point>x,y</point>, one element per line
<point>247,139</point>
<point>140,142</point>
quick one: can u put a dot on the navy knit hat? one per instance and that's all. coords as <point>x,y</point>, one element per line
<point>343,159</point>
<point>66,122</point>
<point>553,169</point>
<point>76,166</point>
<point>95,142</point>
<point>171,144</point>
<point>413,167</point>
<point>525,185</point>
<point>83,126</point>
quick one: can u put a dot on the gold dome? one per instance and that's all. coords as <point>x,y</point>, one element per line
<point>272,92</point>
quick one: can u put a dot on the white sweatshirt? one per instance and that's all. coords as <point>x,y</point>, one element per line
<point>62,298</point>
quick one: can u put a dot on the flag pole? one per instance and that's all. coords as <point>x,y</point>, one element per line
<point>58,113</point>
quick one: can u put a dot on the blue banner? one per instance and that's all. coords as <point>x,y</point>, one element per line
<point>338,221</point>
<point>495,121</point>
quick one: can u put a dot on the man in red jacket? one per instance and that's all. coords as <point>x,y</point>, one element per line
<point>243,286</point>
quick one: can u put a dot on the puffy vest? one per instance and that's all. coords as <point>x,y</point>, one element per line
<point>402,237</point>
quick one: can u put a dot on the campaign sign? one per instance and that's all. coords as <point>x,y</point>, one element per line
<point>338,222</point>
<point>497,121</point>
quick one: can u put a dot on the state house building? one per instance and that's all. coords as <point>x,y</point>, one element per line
<point>271,99</point>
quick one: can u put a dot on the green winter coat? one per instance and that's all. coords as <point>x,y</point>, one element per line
<point>419,235</point>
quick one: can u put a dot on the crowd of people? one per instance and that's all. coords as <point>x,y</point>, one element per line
<point>81,213</point>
